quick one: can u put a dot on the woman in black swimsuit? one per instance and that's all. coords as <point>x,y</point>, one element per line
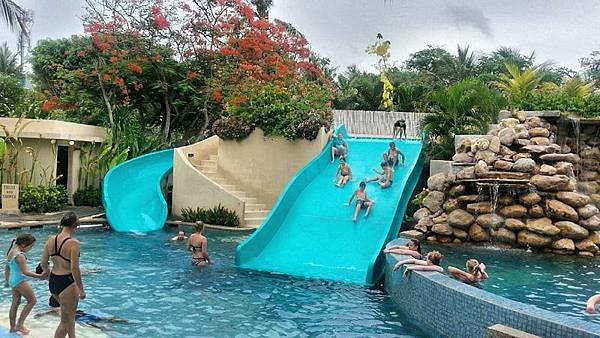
<point>197,243</point>
<point>65,277</point>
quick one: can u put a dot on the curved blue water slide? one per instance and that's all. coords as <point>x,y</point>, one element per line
<point>309,233</point>
<point>132,194</point>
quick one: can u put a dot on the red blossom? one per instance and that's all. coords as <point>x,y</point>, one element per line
<point>106,77</point>
<point>49,104</point>
<point>134,68</point>
<point>191,75</point>
<point>218,96</point>
<point>81,53</point>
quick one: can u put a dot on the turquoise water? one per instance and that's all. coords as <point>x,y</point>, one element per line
<point>150,282</point>
<point>552,282</point>
<point>314,234</point>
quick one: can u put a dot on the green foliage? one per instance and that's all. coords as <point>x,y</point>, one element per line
<point>591,66</point>
<point>516,83</point>
<point>433,61</point>
<point>218,215</point>
<point>418,198</point>
<point>493,64</point>
<point>588,106</point>
<point>12,94</point>
<point>42,198</point>
<point>232,128</point>
<point>8,62</point>
<point>466,107</point>
<point>88,196</point>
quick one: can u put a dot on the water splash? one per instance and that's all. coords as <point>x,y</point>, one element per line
<point>494,189</point>
<point>576,124</point>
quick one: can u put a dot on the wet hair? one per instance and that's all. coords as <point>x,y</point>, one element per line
<point>199,226</point>
<point>473,266</point>
<point>70,220</point>
<point>416,243</point>
<point>362,184</point>
<point>342,158</point>
<point>22,240</point>
<point>392,144</point>
<point>435,257</point>
<point>340,133</point>
<point>383,164</point>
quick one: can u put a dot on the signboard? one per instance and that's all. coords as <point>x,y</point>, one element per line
<point>10,197</point>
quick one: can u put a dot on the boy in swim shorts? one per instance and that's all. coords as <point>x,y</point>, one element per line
<point>386,178</point>
<point>362,201</point>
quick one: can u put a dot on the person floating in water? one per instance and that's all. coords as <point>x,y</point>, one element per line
<point>431,264</point>
<point>198,245</point>
<point>339,147</point>
<point>391,156</point>
<point>343,173</point>
<point>591,303</point>
<point>475,272</point>
<point>81,317</point>
<point>399,129</point>
<point>386,178</point>
<point>362,201</point>
<point>14,275</point>
<point>180,237</point>
<point>413,249</point>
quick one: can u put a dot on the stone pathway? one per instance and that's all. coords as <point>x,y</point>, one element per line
<point>86,214</point>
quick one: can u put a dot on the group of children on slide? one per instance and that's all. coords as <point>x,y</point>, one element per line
<point>385,176</point>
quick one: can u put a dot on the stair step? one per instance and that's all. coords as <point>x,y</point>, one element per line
<point>256,214</point>
<point>250,207</point>
<point>206,170</point>
<point>249,199</point>
<point>253,221</point>
<point>208,163</point>
<point>213,157</point>
<point>239,193</point>
<point>228,187</point>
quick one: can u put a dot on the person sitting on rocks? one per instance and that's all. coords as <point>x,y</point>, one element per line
<point>386,178</point>
<point>362,201</point>
<point>591,303</point>
<point>343,173</point>
<point>413,249</point>
<point>431,264</point>
<point>339,147</point>
<point>475,272</point>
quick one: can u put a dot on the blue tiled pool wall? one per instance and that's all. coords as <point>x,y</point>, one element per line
<point>443,306</point>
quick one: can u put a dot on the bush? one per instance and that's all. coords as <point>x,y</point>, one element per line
<point>218,215</point>
<point>12,94</point>
<point>588,106</point>
<point>43,198</point>
<point>88,196</point>
<point>232,128</point>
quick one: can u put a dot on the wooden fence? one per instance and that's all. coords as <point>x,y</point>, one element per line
<point>377,123</point>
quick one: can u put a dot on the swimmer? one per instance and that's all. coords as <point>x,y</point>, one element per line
<point>413,249</point>
<point>343,173</point>
<point>362,201</point>
<point>475,272</point>
<point>198,245</point>
<point>391,156</point>
<point>387,176</point>
<point>180,237</point>
<point>431,264</point>
<point>81,317</point>
<point>591,303</point>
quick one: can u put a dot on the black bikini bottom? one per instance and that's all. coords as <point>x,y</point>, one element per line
<point>58,283</point>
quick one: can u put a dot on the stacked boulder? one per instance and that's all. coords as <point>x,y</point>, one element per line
<point>518,187</point>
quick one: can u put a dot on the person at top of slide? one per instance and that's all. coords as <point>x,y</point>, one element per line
<point>339,147</point>
<point>399,129</point>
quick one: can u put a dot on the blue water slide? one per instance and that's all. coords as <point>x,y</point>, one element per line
<point>310,233</point>
<point>132,194</point>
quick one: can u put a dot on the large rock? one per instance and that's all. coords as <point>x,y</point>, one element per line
<point>560,211</point>
<point>481,168</point>
<point>592,223</point>
<point>450,205</point>
<point>460,219</point>
<point>588,187</point>
<point>424,224</point>
<point>509,122</point>
<point>513,211</point>
<point>466,173</point>
<point>536,211</point>
<point>588,175</point>
<point>587,211</point>
<point>530,198</point>
<point>495,144</point>
<point>514,224</point>
<point>574,199</point>
<point>539,132</point>
<point>442,218</point>
<point>542,226</point>
<point>546,170</point>
<point>572,158</point>
<point>542,141</point>
<point>525,165</point>
<point>479,208</point>
<point>521,131</point>
<point>438,182</point>
<point>551,183</point>
<point>469,198</point>
<point>463,158</point>
<point>523,142</point>
<point>487,156</point>
<point>503,235</point>
<point>434,200</point>
<point>421,213</point>
<point>595,237</point>
<point>478,234</point>
<point>506,136</point>
<point>534,122</point>
<point>489,220</point>
<point>503,165</point>
<point>442,229</point>
<point>564,244</point>
<point>526,237</point>
<point>541,149</point>
<point>571,230</point>
<point>460,234</point>
<point>564,168</point>
<point>586,245</point>
<point>505,200</point>
<point>457,190</point>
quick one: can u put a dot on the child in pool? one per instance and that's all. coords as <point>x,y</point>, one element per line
<point>475,272</point>
<point>362,201</point>
<point>431,264</point>
<point>591,303</point>
<point>14,275</point>
<point>413,249</point>
<point>343,173</point>
<point>386,178</point>
<point>180,237</point>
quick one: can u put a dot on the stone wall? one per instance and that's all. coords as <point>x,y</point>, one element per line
<point>518,187</point>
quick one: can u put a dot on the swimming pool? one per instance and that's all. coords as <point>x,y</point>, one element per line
<point>149,281</point>
<point>556,283</point>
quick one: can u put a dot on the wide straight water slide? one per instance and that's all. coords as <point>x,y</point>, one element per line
<point>310,233</point>
<point>132,195</point>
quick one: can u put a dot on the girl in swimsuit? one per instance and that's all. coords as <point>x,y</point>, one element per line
<point>475,272</point>
<point>65,282</point>
<point>343,173</point>
<point>197,244</point>
<point>413,249</point>
<point>431,264</point>
<point>14,275</point>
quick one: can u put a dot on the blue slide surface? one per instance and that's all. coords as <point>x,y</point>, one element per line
<point>132,194</point>
<point>310,233</point>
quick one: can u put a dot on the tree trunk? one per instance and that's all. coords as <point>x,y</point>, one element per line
<point>167,103</point>
<point>106,102</point>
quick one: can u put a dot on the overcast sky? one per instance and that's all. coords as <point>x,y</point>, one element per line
<point>557,30</point>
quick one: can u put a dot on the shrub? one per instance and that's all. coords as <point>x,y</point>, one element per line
<point>43,198</point>
<point>88,196</point>
<point>232,128</point>
<point>588,106</point>
<point>218,215</point>
<point>12,94</point>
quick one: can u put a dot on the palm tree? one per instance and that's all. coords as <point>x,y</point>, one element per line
<point>576,87</point>
<point>463,65</point>
<point>262,7</point>
<point>14,16</point>
<point>518,83</point>
<point>8,61</point>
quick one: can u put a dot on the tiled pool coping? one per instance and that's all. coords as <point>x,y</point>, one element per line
<point>443,306</point>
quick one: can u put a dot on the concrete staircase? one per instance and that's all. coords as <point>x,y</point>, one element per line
<point>255,210</point>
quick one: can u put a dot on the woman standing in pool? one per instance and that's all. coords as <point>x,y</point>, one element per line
<point>65,277</point>
<point>14,275</point>
<point>198,245</point>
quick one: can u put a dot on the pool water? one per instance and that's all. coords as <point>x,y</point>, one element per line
<point>553,282</point>
<point>150,282</point>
